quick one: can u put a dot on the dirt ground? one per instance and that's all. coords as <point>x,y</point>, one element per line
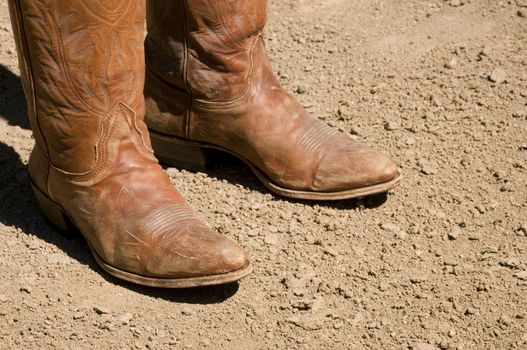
<point>440,263</point>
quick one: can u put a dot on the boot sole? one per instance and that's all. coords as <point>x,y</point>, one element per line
<point>60,220</point>
<point>191,155</point>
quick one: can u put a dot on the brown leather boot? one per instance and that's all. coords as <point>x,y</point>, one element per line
<point>82,66</point>
<point>209,84</point>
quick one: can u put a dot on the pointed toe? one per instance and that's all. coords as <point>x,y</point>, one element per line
<point>352,168</point>
<point>233,257</point>
<point>196,252</point>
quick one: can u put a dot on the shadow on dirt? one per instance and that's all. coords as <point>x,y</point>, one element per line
<point>12,101</point>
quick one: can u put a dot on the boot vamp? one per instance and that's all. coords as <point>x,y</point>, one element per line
<point>294,149</point>
<point>348,164</point>
<point>136,221</point>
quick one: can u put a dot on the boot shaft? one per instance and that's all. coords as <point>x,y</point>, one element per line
<point>79,60</point>
<point>205,47</point>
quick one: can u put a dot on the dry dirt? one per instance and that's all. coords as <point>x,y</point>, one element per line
<point>441,263</point>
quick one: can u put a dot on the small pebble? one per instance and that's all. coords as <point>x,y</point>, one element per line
<point>330,226</point>
<point>331,251</point>
<point>384,286</point>
<point>521,275</point>
<point>485,51</point>
<point>498,76</point>
<point>454,234</point>
<point>505,320</point>
<point>511,262</point>
<point>101,310</point>
<point>470,311</point>
<point>338,325</point>
<point>302,304</point>
<point>491,250</point>
<point>271,239</point>
<point>395,229</point>
<point>506,187</point>
<point>391,125</point>
<point>301,89</point>
<point>522,229</point>
<point>252,233</point>
<point>308,323</point>
<point>451,64</point>
<point>426,167</point>
<point>187,312</point>
<point>125,318</point>
<point>416,279</point>
<point>520,113</point>
<point>410,141</point>
<point>354,130</point>
<point>402,235</point>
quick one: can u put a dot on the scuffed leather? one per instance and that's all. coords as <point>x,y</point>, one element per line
<point>215,55</point>
<point>204,45</point>
<point>84,77</point>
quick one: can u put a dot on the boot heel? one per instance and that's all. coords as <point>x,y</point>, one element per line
<point>179,153</point>
<point>53,212</point>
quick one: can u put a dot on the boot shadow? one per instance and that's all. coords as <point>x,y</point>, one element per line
<point>12,100</point>
<point>20,210</point>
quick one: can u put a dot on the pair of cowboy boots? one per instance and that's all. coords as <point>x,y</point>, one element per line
<point>209,85</point>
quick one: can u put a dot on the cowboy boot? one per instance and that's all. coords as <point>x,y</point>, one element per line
<point>209,85</point>
<point>92,168</point>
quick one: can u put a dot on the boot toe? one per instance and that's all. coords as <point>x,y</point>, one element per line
<point>353,167</point>
<point>196,252</point>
